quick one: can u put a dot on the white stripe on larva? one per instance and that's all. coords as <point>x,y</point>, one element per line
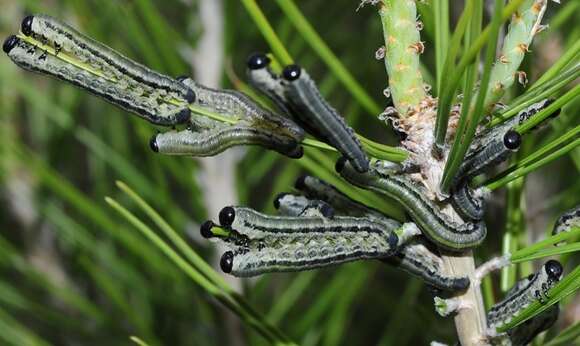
<point>261,243</point>
<point>533,288</point>
<point>433,223</point>
<point>54,48</point>
<point>417,259</point>
<point>306,103</point>
<point>245,124</point>
<point>567,221</point>
<point>466,203</point>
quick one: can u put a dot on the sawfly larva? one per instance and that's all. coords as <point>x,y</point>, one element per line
<point>433,223</point>
<point>209,142</point>
<point>466,203</point>
<point>245,123</point>
<point>50,47</point>
<point>296,94</point>
<point>533,288</point>
<point>527,290</point>
<point>261,243</point>
<point>417,259</point>
<point>495,144</point>
<point>567,221</point>
<point>306,102</point>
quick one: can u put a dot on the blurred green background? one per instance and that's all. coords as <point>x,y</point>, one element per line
<point>73,272</point>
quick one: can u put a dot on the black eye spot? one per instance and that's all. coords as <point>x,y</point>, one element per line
<point>512,140</point>
<point>277,200</point>
<point>153,144</point>
<point>10,43</point>
<point>227,262</point>
<point>339,166</point>
<point>26,26</point>
<point>327,211</point>
<point>553,269</point>
<point>205,229</point>
<point>258,61</point>
<point>291,72</point>
<point>227,216</point>
<point>393,241</point>
<point>190,96</point>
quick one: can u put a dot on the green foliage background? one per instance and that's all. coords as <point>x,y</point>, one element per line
<point>73,272</point>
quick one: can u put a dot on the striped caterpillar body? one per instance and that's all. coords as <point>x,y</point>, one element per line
<point>534,287</point>
<point>567,221</point>
<point>433,223</point>
<point>464,201</point>
<point>251,125</point>
<point>497,150</point>
<point>297,95</point>
<point>50,47</point>
<point>213,141</point>
<point>261,243</point>
<point>266,81</point>
<point>494,145</point>
<point>413,256</point>
<point>417,259</point>
<point>315,188</point>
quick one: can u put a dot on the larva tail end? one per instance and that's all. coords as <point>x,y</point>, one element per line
<point>296,153</point>
<point>300,183</point>
<point>153,144</point>
<point>227,262</point>
<point>512,140</point>
<point>258,61</point>
<point>26,25</point>
<point>339,166</point>
<point>554,269</point>
<point>227,216</point>
<point>10,43</point>
<point>291,72</point>
<point>205,229</point>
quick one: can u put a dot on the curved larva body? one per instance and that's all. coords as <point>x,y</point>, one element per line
<point>417,259</point>
<point>307,103</point>
<point>466,204</point>
<point>237,106</point>
<point>251,125</point>
<point>435,225</point>
<point>284,243</point>
<point>54,48</point>
<point>214,141</point>
<point>567,221</point>
<point>526,291</point>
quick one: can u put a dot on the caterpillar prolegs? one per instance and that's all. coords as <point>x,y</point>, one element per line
<point>262,243</point>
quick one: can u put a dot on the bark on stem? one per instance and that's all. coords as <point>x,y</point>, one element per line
<point>470,320</point>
